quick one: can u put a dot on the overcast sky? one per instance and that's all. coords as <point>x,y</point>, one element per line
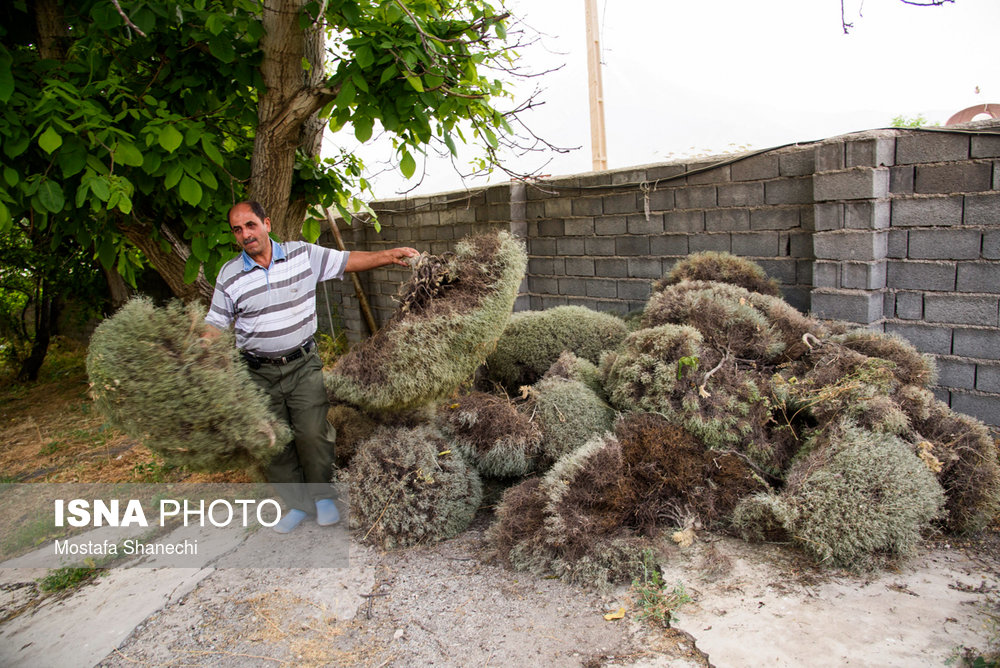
<point>702,77</point>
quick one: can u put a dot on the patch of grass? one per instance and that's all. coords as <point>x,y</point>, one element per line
<point>68,577</point>
<point>30,533</point>
<point>655,602</point>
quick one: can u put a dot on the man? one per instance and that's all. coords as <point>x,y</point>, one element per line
<point>268,294</point>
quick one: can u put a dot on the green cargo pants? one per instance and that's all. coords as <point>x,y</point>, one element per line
<point>297,396</point>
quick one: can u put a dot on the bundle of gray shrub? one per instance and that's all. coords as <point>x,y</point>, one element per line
<point>533,341</point>
<point>409,486</point>
<point>720,267</point>
<point>497,439</point>
<point>189,399</point>
<point>853,498</point>
<point>451,313</point>
<point>570,367</point>
<point>670,369</point>
<point>352,427</point>
<point>568,414</point>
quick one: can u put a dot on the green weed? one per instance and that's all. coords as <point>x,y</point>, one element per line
<point>654,602</point>
<point>68,577</point>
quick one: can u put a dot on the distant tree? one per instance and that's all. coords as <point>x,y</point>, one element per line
<point>917,121</point>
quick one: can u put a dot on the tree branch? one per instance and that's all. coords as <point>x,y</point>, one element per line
<point>125,18</point>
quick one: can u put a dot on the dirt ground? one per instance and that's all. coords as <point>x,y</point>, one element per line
<point>447,605</point>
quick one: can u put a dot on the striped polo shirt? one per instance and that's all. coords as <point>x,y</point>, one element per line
<point>273,310</point>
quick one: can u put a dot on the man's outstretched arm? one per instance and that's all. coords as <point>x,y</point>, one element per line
<point>365,260</point>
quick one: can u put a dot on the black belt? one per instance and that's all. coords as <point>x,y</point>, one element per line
<point>255,361</point>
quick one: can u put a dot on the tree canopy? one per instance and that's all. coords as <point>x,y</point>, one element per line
<point>136,124</point>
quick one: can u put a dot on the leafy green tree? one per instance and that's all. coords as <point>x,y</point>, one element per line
<point>136,124</point>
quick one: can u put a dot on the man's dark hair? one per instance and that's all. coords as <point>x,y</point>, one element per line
<point>254,205</point>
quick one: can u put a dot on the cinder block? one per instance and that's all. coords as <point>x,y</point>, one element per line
<point>991,245</point>
<point>932,339</point>
<point>980,406</point>
<point>639,224</point>
<point>960,177</point>
<point>625,176</point>
<point>611,267</point>
<point>588,206</point>
<point>634,289</point>
<point>570,246</point>
<point>985,146</point>
<point>517,228</point>
<point>578,227</point>
<point>910,305</point>
<point>826,274</point>
<point>798,162</point>
<point>982,210</point>
<point>962,309</point>
<point>898,242</point>
<point>978,277</point>
<point>553,227</point>
<point>953,244</point>
<point>830,156</point>
<point>807,218</point>
<point>741,194</point>
<point>789,191</point>
<point>720,175</point>
<point>888,304</point>
<point>867,214</point>
<point>978,343</point>
<point>594,179</point>
<point>911,275</point>
<point>858,307</point>
<point>774,219</point>
<point>855,183</point>
<point>988,378</point>
<point>956,373</point>
<point>927,211</point>
<point>701,197</point>
<point>549,301</point>
<point>727,220</point>
<point>558,208</point>
<point>804,272</point>
<point>684,221</point>
<point>850,245</point>
<point>573,286</point>
<point>863,275</point>
<point>639,267</point>
<point>669,244</point>
<point>540,266</point>
<point>799,298</point>
<point>828,216</point>
<point>756,244</point>
<point>797,244</point>
<point>599,246</point>
<point>613,306</point>
<point>664,172</point>
<point>611,225</point>
<point>941,394</point>
<point>623,203</point>
<point>579,266</point>
<point>901,180</point>
<point>710,242</point>
<point>756,168</point>
<point>660,199</point>
<point>632,246</point>
<point>782,270</point>
<point>602,288</point>
<point>931,147</point>
<point>543,285</point>
<point>498,194</point>
<point>875,152</point>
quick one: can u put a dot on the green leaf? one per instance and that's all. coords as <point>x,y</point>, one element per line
<point>190,191</point>
<point>106,251</point>
<point>50,194</point>
<point>10,176</point>
<point>72,159</point>
<point>6,76</point>
<point>191,268</point>
<point>311,230</point>
<point>100,187</point>
<point>49,140</point>
<point>363,128</point>
<point>210,150</point>
<point>128,154</point>
<point>125,204</point>
<point>6,222</point>
<point>174,174</point>
<point>415,82</point>
<point>16,146</point>
<point>222,48</point>
<point>364,57</point>
<point>388,73</point>
<point>199,248</point>
<point>407,165</point>
<point>170,138</point>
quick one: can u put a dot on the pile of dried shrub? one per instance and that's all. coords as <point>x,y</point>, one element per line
<point>490,433</point>
<point>187,398</point>
<point>451,313</point>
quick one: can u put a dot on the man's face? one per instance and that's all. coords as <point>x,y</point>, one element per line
<point>250,231</point>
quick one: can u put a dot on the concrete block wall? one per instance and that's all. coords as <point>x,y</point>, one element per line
<point>896,230</point>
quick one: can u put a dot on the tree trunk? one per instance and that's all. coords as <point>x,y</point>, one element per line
<point>118,289</point>
<point>287,112</point>
<point>43,333</point>
<point>52,29</point>
<point>170,264</point>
